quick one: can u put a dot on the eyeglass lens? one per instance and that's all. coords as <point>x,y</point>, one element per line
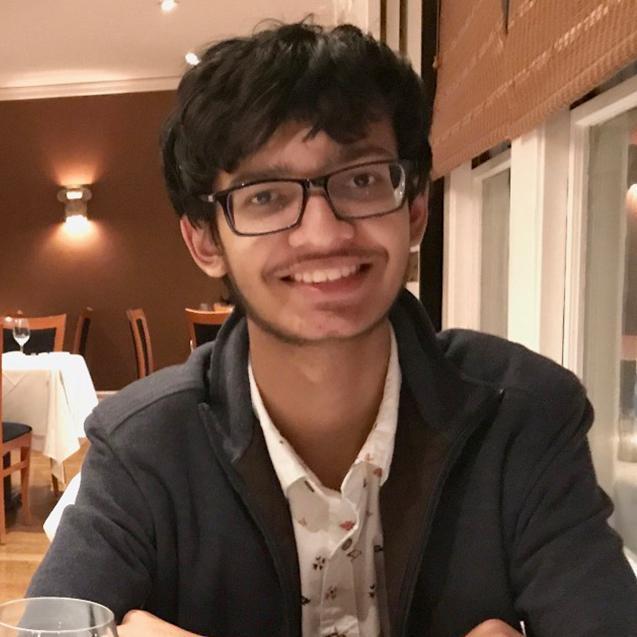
<point>357,192</point>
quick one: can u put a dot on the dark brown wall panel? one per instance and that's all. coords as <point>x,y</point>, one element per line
<point>133,255</point>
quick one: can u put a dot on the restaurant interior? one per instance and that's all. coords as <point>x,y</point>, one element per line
<point>97,286</point>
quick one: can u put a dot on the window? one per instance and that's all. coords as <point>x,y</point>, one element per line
<point>610,309</point>
<point>496,205</point>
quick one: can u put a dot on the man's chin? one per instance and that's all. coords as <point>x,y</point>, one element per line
<point>315,335</point>
<point>337,324</point>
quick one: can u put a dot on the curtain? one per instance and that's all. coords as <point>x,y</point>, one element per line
<point>505,65</point>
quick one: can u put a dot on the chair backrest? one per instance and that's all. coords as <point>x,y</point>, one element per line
<point>18,437</point>
<point>2,322</point>
<point>203,325</point>
<point>47,334</point>
<point>81,331</point>
<point>141,342</point>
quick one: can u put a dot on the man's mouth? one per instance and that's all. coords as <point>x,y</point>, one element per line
<point>321,275</point>
<point>335,273</point>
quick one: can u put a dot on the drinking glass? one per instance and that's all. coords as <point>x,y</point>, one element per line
<point>21,332</point>
<point>61,616</point>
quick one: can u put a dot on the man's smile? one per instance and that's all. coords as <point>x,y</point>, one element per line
<point>320,276</point>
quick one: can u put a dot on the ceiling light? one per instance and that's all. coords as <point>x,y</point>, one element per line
<point>168,5</point>
<point>192,58</point>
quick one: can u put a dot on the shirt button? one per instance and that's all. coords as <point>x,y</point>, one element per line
<point>347,544</point>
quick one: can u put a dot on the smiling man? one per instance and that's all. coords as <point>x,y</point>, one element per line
<point>330,466</point>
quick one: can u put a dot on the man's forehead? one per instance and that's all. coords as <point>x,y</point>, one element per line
<point>297,140</point>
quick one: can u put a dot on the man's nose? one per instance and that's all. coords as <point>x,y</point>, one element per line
<point>320,226</point>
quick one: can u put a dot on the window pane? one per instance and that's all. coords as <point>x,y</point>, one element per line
<point>610,320</point>
<point>496,197</point>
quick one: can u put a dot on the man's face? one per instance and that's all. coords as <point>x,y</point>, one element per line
<point>327,278</point>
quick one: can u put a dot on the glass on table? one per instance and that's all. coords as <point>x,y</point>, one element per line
<point>21,332</point>
<point>49,616</point>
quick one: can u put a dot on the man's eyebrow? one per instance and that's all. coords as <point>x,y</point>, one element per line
<point>359,151</point>
<point>274,171</point>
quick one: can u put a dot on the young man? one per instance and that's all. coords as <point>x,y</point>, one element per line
<point>330,466</point>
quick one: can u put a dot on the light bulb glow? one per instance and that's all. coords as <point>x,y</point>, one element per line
<point>76,224</point>
<point>168,5</point>
<point>631,200</point>
<point>74,194</point>
<point>192,58</point>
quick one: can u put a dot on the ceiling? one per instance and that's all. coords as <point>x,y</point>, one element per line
<point>77,47</point>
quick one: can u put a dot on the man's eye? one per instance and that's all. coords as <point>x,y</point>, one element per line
<point>363,180</point>
<point>263,198</point>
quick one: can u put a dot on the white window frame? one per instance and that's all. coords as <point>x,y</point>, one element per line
<point>598,110</point>
<point>539,196</point>
<point>462,254</point>
<point>537,230</point>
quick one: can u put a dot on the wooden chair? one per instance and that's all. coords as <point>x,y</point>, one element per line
<point>81,331</point>
<point>203,325</point>
<point>141,342</point>
<point>14,436</point>
<point>47,334</point>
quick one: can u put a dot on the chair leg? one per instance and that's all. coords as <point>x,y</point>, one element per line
<point>55,482</point>
<point>56,486</point>
<point>6,460</point>
<point>3,521</point>
<point>25,456</point>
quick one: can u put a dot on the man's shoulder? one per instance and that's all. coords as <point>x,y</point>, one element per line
<point>159,398</point>
<point>513,368</point>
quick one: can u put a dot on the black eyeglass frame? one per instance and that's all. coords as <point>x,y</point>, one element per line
<point>222,196</point>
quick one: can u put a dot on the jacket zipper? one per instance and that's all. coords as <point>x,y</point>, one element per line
<point>416,563</point>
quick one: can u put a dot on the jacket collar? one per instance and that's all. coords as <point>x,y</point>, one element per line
<point>446,399</point>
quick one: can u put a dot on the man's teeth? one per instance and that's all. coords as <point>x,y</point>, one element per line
<point>320,276</point>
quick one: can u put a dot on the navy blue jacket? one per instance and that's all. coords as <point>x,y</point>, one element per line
<point>491,508</point>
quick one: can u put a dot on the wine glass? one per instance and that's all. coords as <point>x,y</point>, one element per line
<point>49,616</point>
<point>21,332</point>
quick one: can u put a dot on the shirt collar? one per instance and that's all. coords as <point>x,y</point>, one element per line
<point>377,450</point>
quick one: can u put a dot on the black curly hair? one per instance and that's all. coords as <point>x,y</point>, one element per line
<point>337,80</point>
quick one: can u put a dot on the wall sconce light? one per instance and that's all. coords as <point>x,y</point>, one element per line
<point>74,199</point>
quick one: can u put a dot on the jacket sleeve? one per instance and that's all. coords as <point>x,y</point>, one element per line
<point>567,564</point>
<point>104,547</point>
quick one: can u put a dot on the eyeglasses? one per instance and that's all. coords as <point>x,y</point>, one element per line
<point>266,206</point>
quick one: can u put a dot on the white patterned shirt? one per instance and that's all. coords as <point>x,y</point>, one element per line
<point>338,534</point>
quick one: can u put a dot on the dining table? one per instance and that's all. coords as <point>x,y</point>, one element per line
<point>53,393</point>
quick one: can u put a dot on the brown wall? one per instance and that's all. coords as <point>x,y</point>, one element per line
<point>133,255</point>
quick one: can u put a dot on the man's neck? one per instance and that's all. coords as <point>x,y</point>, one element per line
<point>322,398</point>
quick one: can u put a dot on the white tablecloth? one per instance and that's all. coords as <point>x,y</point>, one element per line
<point>53,393</point>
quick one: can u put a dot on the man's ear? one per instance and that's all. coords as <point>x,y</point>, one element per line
<point>418,215</point>
<point>202,247</point>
